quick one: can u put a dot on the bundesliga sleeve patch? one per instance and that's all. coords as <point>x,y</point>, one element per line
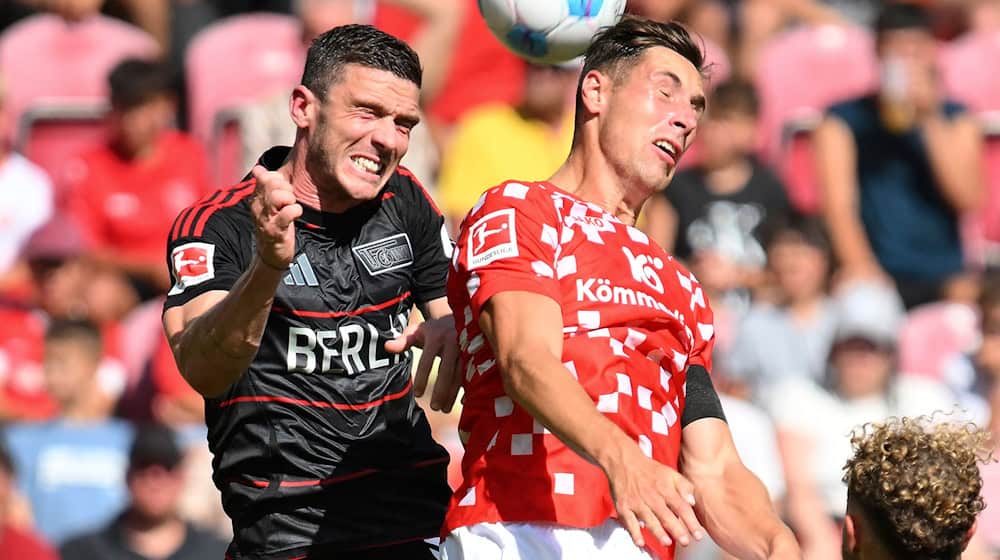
<point>193,263</point>
<point>492,238</point>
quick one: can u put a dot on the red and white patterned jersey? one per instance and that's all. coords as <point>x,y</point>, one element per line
<point>634,320</point>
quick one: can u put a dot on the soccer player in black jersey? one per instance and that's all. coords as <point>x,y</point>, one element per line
<point>289,313</point>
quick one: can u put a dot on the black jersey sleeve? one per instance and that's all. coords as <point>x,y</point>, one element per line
<point>432,247</point>
<point>206,255</point>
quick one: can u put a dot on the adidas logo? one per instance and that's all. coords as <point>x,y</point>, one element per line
<point>300,273</point>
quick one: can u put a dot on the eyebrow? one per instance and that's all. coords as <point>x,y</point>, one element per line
<point>407,119</point>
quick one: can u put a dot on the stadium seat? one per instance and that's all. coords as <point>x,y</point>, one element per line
<point>47,62</point>
<point>799,74</point>
<point>268,51</point>
<point>53,135</point>
<point>933,335</point>
<point>965,71</point>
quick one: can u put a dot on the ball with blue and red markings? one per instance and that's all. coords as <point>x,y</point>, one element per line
<point>549,31</point>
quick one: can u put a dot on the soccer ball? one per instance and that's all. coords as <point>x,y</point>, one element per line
<point>549,31</point>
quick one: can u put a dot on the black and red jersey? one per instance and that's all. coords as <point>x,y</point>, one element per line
<point>320,441</point>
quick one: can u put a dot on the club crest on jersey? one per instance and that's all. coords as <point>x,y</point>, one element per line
<point>492,238</point>
<point>386,254</point>
<point>192,263</point>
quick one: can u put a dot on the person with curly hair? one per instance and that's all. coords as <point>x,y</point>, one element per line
<point>913,489</point>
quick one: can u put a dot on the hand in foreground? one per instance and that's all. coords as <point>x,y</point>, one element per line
<point>275,211</point>
<point>652,495</point>
<point>437,338</point>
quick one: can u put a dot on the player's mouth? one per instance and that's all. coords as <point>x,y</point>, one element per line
<point>368,165</point>
<point>668,150</point>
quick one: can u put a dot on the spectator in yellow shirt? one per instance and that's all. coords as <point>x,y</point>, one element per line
<point>496,142</point>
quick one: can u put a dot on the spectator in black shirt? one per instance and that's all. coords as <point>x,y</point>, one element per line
<point>150,528</point>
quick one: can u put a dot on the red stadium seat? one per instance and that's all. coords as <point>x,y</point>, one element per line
<point>965,70</point>
<point>799,74</point>
<point>983,229</point>
<point>43,58</point>
<point>268,55</point>
<point>53,135</point>
<point>934,334</point>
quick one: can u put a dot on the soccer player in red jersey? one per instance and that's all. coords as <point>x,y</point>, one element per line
<point>591,425</point>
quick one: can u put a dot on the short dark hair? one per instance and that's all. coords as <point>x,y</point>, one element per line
<point>357,44</point>
<point>895,16</point>
<point>804,228</point>
<point>79,330</point>
<point>617,48</point>
<point>135,81</point>
<point>735,96</point>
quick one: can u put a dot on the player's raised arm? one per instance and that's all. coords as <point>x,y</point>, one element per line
<point>730,501</point>
<point>525,331</point>
<point>215,335</point>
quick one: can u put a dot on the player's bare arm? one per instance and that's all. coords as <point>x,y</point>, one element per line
<point>730,501</point>
<point>525,331</point>
<point>215,336</point>
<point>436,337</point>
<point>836,161</point>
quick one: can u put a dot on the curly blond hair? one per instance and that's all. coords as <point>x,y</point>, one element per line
<point>918,481</point>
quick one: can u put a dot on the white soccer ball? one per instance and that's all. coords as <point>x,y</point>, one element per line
<point>549,31</point>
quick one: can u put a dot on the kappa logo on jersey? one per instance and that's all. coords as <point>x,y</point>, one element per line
<point>492,238</point>
<point>193,263</point>
<point>644,269</point>
<point>386,254</point>
<point>300,273</point>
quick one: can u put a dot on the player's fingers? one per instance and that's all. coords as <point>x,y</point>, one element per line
<point>670,513</point>
<point>287,216</point>
<point>412,335</point>
<point>631,524</point>
<point>447,383</point>
<point>424,371</point>
<point>259,173</point>
<point>686,491</point>
<point>651,521</point>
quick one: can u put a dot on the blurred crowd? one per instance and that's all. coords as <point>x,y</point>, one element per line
<point>841,207</point>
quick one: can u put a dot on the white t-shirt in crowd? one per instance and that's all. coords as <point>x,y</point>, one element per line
<point>25,205</point>
<point>805,408</point>
<point>757,443</point>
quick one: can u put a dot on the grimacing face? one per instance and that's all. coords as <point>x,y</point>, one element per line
<point>360,132</point>
<point>651,118</point>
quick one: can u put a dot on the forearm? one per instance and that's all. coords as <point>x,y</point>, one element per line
<point>219,345</point>
<point>955,164</point>
<point>849,239</point>
<point>535,383</point>
<point>735,509</point>
<point>435,41</point>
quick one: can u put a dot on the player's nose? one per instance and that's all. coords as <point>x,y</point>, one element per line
<point>385,136</point>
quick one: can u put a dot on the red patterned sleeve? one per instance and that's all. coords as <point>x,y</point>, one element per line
<point>508,242</point>
<point>703,329</point>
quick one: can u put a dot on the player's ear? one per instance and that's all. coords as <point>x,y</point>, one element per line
<point>851,536</point>
<point>969,534</point>
<point>594,89</point>
<point>302,106</point>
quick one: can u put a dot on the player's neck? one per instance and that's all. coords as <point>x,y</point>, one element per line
<point>305,188</point>
<point>587,175</point>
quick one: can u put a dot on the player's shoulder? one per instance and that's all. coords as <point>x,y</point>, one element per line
<point>404,185</point>
<point>227,209</point>
<point>518,195</point>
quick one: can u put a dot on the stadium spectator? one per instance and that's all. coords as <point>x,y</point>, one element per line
<point>16,542</point>
<point>898,167</point>
<point>151,527</point>
<point>913,489</point>
<point>791,334</point>
<point>76,461</point>
<point>133,187</point>
<point>711,216</point>
<point>25,202</point>
<point>495,141</point>
<point>860,386</point>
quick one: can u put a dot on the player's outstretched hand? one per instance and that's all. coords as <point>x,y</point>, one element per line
<point>275,211</point>
<point>437,339</point>
<point>652,495</point>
